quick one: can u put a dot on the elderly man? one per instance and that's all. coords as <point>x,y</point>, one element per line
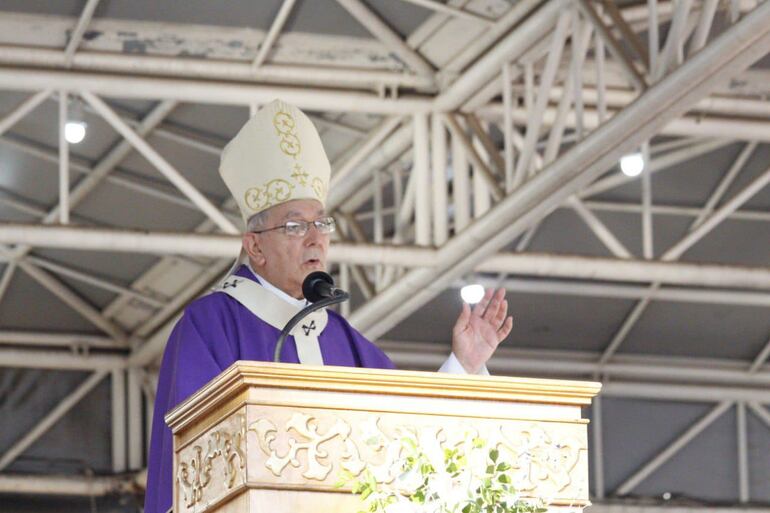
<point>278,173</point>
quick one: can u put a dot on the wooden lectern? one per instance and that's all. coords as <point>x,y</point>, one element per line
<point>266,437</point>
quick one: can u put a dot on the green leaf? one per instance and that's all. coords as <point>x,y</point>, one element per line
<point>493,454</point>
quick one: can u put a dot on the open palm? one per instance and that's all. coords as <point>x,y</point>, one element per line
<point>478,332</point>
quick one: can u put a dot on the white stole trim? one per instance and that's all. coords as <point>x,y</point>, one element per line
<point>276,312</point>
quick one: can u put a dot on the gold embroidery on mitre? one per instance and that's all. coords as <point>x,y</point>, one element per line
<point>319,188</point>
<point>300,175</point>
<point>286,128</point>
<point>273,192</point>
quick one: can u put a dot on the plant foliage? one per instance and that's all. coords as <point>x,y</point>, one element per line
<point>470,478</point>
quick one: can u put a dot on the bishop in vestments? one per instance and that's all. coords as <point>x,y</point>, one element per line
<point>278,173</point>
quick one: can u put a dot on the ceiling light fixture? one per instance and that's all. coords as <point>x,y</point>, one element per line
<point>472,293</point>
<point>632,164</point>
<point>75,128</point>
<point>74,131</point>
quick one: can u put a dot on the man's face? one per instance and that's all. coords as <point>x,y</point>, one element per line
<point>285,260</point>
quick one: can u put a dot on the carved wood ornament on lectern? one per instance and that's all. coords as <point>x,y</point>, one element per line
<point>275,437</point>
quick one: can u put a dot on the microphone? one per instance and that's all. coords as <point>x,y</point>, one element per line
<point>319,285</point>
<point>318,288</point>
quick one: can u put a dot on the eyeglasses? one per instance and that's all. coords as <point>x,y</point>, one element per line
<point>324,225</point>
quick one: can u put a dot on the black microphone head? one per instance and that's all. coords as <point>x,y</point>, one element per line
<point>310,288</point>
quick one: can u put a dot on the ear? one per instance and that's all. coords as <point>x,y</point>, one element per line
<point>252,245</point>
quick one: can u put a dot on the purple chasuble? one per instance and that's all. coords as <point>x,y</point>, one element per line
<point>214,332</point>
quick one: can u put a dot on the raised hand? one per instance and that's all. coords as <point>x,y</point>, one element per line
<point>477,333</point>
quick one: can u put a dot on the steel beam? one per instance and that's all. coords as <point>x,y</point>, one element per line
<point>724,106</point>
<point>5,281</point>
<point>207,91</point>
<point>87,486</point>
<point>761,358</point>
<point>599,228</point>
<point>636,506</point>
<point>54,359</point>
<point>118,419</point>
<point>618,291</point>
<point>659,163</point>
<point>135,426</point>
<point>727,180</point>
<point>597,446</point>
<point>733,204</point>
<point>492,37</point>
<point>53,416</point>
<point>738,128</point>
<point>636,372</point>
<point>613,45</point>
<point>72,340</point>
<point>161,164</point>
<point>272,34</point>
<point>355,170</point>
<point>64,160</point>
<point>23,109</point>
<point>421,177</point>
<point>744,477</point>
<point>95,281</point>
<point>387,36</point>
<point>80,29</point>
<point>218,70</point>
<point>698,427</point>
<point>486,68</point>
<point>452,11</point>
<point>77,303</point>
<point>565,266</point>
<point>695,233</point>
<point>737,48</point>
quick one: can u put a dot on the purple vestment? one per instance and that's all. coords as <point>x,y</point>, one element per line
<point>214,332</point>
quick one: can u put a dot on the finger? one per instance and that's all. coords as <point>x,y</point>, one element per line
<point>499,318</point>
<point>462,319</point>
<point>481,306</point>
<point>494,306</point>
<point>505,329</point>
<point>502,310</point>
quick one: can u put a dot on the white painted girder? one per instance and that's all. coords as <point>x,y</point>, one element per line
<point>206,91</point>
<point>630,375</point>
<point>93,486</point>
<point>732,52</point>
<point>537,264</point>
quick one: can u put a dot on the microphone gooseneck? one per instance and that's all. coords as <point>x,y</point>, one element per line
<point>318,288</point>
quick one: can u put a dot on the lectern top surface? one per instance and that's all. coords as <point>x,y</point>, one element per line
<point>244,374</point>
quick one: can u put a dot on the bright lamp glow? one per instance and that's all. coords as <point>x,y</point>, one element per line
<point>74,131</point>
<point>632,165</point>
<point>472,294</point>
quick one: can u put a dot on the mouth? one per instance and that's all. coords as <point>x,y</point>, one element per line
<point>313,262</point>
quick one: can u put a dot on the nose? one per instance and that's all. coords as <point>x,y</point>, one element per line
<point>313,235</point>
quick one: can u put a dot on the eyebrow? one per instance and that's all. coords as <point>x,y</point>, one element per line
<point>294,213</point>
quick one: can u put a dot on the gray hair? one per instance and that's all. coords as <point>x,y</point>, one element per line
<point>258,221</point>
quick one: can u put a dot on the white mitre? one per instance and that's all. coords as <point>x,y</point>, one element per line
<point>276,157</point>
